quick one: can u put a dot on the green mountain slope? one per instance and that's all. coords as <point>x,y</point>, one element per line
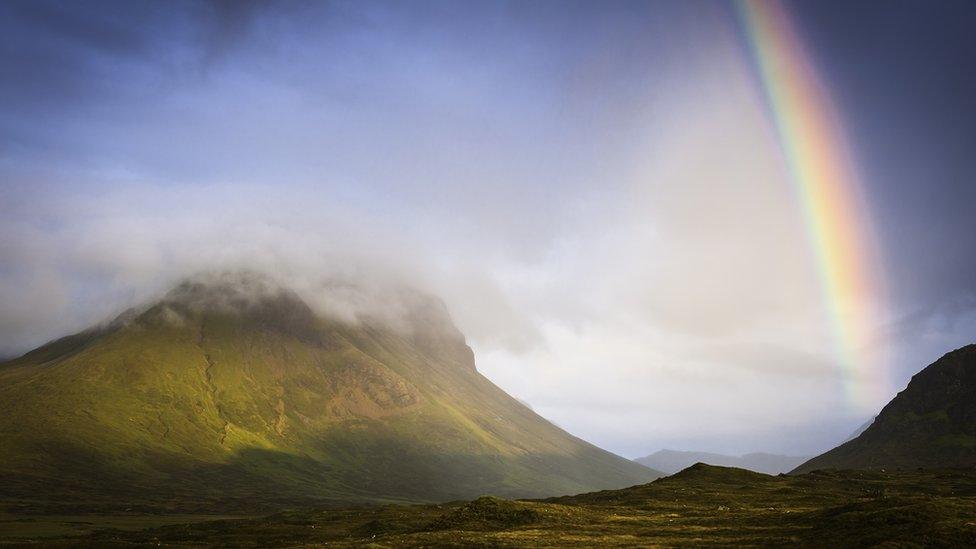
<point>232,390</point>
<point>931,424</point>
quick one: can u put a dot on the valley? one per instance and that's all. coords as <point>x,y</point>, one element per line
<point>700,506</point>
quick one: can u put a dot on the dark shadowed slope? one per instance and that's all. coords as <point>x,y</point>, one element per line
<point>232,390</point>
<point>932,423</point>
<point>672,461</point>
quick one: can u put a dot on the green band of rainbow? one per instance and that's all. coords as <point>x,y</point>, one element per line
<point>827,188</point>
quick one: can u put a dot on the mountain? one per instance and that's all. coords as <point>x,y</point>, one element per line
<point>931,424</point>
<point>672,461</point>
<point>231,390</point>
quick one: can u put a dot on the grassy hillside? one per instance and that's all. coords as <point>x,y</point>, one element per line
<point>931,424</point>
<point>702,506</point>
<point>226,395</point>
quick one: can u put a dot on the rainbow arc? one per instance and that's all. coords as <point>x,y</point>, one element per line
<point>828,190</point>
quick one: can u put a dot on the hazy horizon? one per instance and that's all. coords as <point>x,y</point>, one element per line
<point>596,190</point>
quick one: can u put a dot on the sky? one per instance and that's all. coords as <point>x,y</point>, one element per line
<point>597,190</point>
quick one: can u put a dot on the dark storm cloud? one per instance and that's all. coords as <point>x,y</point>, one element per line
<point>904,76</point>
<point>64,51</point>
<point>60,53</point>
<point>906,79</point>
<point>76,25</point>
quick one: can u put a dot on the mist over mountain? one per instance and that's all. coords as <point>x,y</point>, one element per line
<point>930,424</point>
<point>233,387</point>
<point>672,461</point>
<point>857,432</point>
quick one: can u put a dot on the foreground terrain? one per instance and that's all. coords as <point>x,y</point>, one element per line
<point>703,505</point>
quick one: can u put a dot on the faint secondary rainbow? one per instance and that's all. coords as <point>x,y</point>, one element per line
<point>828,189</point>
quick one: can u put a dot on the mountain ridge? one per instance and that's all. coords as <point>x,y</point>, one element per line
<point>226,391</point>
<point>930,424</point>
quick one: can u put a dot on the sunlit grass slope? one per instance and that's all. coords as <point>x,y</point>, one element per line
<point>226,393</point>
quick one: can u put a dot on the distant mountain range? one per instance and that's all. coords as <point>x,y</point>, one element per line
<point>931,424</point>
<point>231,388</point>
<point>672,461</point>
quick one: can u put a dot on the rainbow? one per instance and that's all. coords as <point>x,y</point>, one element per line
<point>828,190</point>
